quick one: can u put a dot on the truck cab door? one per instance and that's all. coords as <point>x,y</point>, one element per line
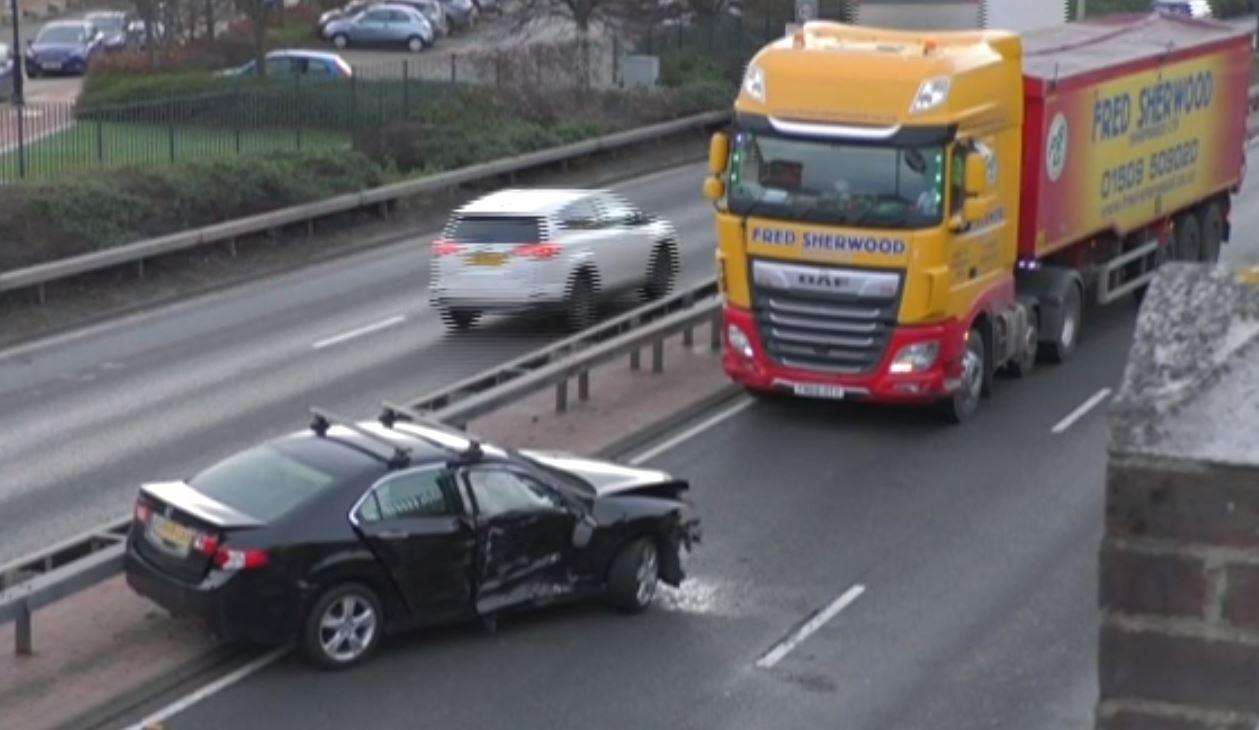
<point>975,249</point>
<point>524,539</point>
<point>413,523</point>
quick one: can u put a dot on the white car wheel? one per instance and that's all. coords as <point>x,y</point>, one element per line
<point>415,44</point>
<point>340,41</point>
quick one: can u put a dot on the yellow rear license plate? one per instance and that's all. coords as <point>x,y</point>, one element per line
<point>170,536</point>
<point>487,258</point>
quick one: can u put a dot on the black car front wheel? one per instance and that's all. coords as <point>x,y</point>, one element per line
<point>635,575</point>
<point>343,627</point>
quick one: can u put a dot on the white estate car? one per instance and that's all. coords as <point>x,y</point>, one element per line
<point>561,249</point>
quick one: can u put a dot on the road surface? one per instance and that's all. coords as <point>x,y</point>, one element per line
<point>954,566</point>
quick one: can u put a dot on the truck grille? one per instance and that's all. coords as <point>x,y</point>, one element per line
<point>824,318</point>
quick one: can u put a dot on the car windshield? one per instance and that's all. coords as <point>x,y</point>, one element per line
<point>61,34</point>
<point>107,23</point>
<point>826,182</point>
<point>495,229</point>
<point>262,482</point>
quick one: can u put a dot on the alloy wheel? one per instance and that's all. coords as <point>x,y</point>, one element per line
<point>347,628</point>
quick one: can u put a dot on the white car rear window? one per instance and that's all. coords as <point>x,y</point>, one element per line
<point>496,229</point>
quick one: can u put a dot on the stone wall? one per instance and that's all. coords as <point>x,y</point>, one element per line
<point>1179,644</point>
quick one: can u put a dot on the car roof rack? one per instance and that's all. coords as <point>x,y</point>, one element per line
<point>394,413</point>
<point>323,420</point>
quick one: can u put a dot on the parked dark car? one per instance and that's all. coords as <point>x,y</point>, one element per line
<point>338,534</point>
<point>354,7</point>
<point>460,14</point>
<point>63,47</point>
<point>313,65</point>
<point>113,26</point>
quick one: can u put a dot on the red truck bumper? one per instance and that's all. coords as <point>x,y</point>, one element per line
<point>880,385</point>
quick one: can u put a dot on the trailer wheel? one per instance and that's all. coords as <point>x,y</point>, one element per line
<point>1211,225</point>
<point>1188,238</point>
<point>1061,347</point>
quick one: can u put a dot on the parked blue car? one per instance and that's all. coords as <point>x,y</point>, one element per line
<point>383,25</point>
<point>63,47</point>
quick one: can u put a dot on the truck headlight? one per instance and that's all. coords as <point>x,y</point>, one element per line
<point>915,358</point>
<point>739,341</point>
<point>931,94</point>
<point>754,82</point>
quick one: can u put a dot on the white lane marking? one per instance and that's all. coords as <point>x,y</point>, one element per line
<point>1080,412</point>
<point>364,330</point>
<point>810,627</point>
<point>697,429</point>
<point>214,687</point>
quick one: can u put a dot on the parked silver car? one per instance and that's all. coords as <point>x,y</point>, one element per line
<point>385,24</point>
<point>554,249</point>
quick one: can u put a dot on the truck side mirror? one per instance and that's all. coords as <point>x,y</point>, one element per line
<point>976,174</point>
<point>976,209</point>
<point>718,153</point>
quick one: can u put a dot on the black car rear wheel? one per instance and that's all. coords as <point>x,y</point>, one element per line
<point>634,577</point>
<point>343,627</point>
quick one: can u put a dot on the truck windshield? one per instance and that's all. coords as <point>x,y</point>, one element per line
<point>825,182</point>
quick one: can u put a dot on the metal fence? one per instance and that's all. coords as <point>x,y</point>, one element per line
<point>46,140</point>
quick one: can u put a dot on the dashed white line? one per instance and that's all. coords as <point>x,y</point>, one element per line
<point>218,685</point>
<point>695,430</point>
<point>810,627</point>
<point>1083,410</point>
<point>364,330</point>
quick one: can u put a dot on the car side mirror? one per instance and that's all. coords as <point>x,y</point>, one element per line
<point>583,530</point>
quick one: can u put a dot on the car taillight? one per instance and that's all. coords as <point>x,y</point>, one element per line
<point>227,559</point>
<point>142,513</point>
<point>445,247</point>
<point>207,545</point>
<point>537,251</point>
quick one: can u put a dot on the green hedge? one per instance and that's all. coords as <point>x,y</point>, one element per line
<point>47,221</point>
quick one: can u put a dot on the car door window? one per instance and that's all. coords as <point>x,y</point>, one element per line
<point>499,491</point>
<point>376,16</point>
<point>580,216</point>
<point>411,494</point>
<point>616,213</point>
<point>279,66</point>
<point>318,68</point>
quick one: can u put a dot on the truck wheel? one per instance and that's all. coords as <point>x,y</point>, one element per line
<point>1022,364</point>
<point>1211,225</point>
<point>343,627</point>
<point>963,404</point>
<point>1188,238</point>
<point>634,576</point>
<point>1063,345</point>
<point>582,306</point>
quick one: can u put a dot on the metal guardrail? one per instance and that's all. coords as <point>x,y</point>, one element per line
<point>228,231</point>
<point>73,565</point>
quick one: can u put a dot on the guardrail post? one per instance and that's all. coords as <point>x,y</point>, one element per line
<point>100,141</point>
<point>561,396</point>
<point>406,86</point>
<point>657,355</point>
<point>636,361</point>
<point>688,336</point>
<point>715,331</point>
<point>454,73</point>
<point>583,385</point>
<point>22,631</point>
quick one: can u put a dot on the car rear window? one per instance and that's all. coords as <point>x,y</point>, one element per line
<point>262,482</point>
<point>496,229</point>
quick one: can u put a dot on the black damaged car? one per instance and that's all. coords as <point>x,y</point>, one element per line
<point>339,534</point>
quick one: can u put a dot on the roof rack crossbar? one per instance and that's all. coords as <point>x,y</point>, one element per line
<point>394,413</point>
<point>401,455</point>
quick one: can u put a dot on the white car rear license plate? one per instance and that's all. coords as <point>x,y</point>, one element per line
<point>814,390</point>
<point>487,258</point>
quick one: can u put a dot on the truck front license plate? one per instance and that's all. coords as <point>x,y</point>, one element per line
<point>813,390</point>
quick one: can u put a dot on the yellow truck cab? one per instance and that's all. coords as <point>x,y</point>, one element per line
<point>869,200</point>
